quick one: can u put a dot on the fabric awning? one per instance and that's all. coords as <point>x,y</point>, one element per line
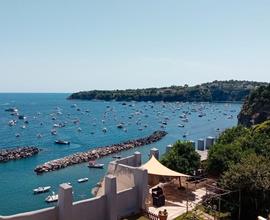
<point>154,167</point>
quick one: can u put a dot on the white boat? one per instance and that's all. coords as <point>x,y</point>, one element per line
<point>12,123</point>
<point>93,164</point>
<point>117,156</point>
<point>104,130</point>
<point>53,132</point>
<point>52,198</point>
<point>82,180</point>
<point>41,189</point>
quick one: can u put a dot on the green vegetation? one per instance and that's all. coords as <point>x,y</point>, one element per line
<point>189,216</point>
<point>256,108</point>
<point>241,159</point>
<point>215,91</point>
<point>252,177</point>
<point>182,158</point>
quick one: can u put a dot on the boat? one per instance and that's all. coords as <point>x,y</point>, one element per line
<point>117,157</point>
<point>104,130</point>
<point>41,189</point>
<point>62,142</point>
<point>12,123</point>
<point>181,125</point>
<point>11,109</point>
<point>39,135</point>
<point>93,164</point>
<point>120,125</point>
<point>21,117</point>
<point>52,198</point>
<point>82,180</point>
<point>53,132</point>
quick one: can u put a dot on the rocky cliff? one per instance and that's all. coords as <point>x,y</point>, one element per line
<point>256,108</point>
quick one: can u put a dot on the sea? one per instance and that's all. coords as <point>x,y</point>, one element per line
<point>84,127</point>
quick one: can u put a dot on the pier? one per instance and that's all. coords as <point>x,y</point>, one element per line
<point>98,152</point>
<point>17,153</point>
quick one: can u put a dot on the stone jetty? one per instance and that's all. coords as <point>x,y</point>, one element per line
<point>98,152</point>
<point>17,153</point>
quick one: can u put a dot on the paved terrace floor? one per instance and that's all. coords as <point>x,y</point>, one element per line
<point>176,199</point>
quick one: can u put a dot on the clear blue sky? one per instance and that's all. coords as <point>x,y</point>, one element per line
<point>66,46</point>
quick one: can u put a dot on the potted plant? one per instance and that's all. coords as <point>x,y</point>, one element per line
<point>163,215</point>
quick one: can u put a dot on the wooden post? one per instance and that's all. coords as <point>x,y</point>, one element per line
<point>239,211</point>
<point>187,196</point>
<point>180,183</point>
<point>219,204</point>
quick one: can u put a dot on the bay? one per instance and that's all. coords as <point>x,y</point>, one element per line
<point>18,179</point>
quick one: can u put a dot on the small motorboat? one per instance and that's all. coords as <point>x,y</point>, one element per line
<point>41,189</point>
<point>53,132</point>
<point>39,136</point>
<point>62,142</point>
<point>93,164</point>
<point>21,117</point>
<point>120,125</point>
<point>12,123</point>
<point>117,157</point>
<point>11,109</point>
<point>52,198</point>
<point>82,180</point>
<point>17,135</point>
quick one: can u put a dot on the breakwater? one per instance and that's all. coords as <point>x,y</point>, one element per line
<point>98,152</point>
<point>17,153</point>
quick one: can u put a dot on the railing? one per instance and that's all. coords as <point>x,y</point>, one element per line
<point>150,215</point>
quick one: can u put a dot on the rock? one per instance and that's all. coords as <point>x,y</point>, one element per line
<point>98,153</point>
<point>17,153</point>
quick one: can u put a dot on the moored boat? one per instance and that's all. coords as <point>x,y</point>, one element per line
<point>62,142</point>
<point>41,189</point>
<point>52,198</point>
<point>82,180</point>
<point>93,164</point>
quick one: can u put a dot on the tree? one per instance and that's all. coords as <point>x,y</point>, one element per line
<point>182,158</point>
<point>252,177</point>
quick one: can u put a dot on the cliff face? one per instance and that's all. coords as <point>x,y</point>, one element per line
<point>256,108</point>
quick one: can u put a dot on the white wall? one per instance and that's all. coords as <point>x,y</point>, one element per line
<point>119,203</point>
<point>90,209</point>
<point>127,202</point>
<point>43,214</point>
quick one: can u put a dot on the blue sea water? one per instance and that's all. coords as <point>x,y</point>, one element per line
<point>18,179</point>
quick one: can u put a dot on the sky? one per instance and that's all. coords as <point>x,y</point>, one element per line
<point>69,46</point>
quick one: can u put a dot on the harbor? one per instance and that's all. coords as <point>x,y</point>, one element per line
<point>98,153</point>
<point>82,123</point>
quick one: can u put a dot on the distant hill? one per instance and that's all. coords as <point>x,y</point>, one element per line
<point>216,91</point>
<point>256,108</point>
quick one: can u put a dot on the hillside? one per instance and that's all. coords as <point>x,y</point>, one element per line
<point>256,107</point>
<point>216,91</point>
